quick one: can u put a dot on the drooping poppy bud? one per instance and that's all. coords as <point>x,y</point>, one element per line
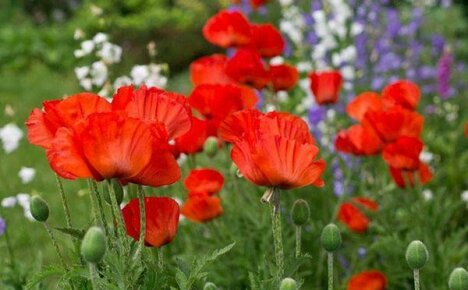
<point>288,284</point>
<point>300,212</point>
<point>458,279</point>
<point>93,246</point>
<point>417,255</point>
<point>39,208</point>
<point>331,238</point>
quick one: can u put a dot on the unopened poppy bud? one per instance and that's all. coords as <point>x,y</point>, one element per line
<point>331,238</point>
<point>417,255</point>
<point>233,169</point>
<point>288,284</point>
<point>211,146</point>
<point>118,190</point>
<point>39,208</point>
<point>458,279</point>
<point>210,286</point>
<point>300,212</point>
<point>93,246</point>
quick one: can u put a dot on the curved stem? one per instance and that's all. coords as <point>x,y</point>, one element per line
<point>55,244</point>
<point>141,203</point>
<point>416,279</point>
<point>95,190</point>
<point>66,209</point>
<point>94,276</point>
<point>274,200</point>
<point>120,228</point>
<point>330,270</point>
<point>298,241</point>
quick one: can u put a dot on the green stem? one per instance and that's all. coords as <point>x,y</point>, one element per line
<point>120,228</point>
<point>416,279</point>
<point>330,270</point>
<point>141,203</point>
<point>161,259</point>
<point>273,197</point>
<point>94,276</point>
<point>9,248</point>
<point>92,197</point>
<point>95,191</point>
<point>66,209</point>
<point>298,241</point>
<point>55,244</point>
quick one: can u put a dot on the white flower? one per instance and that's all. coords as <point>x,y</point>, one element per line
<point>26,174</point>
<point>110,53</point>
<point>270,108</point>
<point>427,195</point>
<point>286,2</point>
<point>99,73</point>
<point>86,84</point>
<point>122,81</point>
<point>277,60</point>
<point>182,159</point>
<point>78,34</point>
<point>304,66</point>
<point>87,46</point>
<point>282,96</point>
<point>79,53</point>
<point>331,114</point>
<point>464,196</point>
<point>100,37</point>
<point>426,156</point>
<point>356,28</point>
<point>348,72</point>
<point>349,53</point>
<point>139,73</point>
<point>10,135</point>
<point>81,72</point>
<point>9,202</point>
<point>336,59</point>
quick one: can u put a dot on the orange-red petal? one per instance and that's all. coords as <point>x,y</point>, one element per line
<point>202,208</point>
<point>204,180</point>
<point>403,93</point>
<point>359,106</point>
<point>368,280</point>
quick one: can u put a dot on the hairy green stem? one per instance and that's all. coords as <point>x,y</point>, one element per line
<point>141,203</point>
<point>66,209</point>
<point>120,228</point>
<point>9,248</point>
<point>93,275</point>
<point>416,279</point>
<point>160,259</point>
<point>298,240</point>
<point>95,191</point>
<point>55,244</point>
<point>330,270</point>
<point>92,197</point>
<point>273,197</point>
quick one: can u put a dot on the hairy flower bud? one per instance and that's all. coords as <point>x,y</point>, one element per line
<point>300,212</point>
<point>211,146</point>
<point>288,284</point>
<point>93,246</point>
<point>331,238</point>
<point>458,279</point>
<point>417,255</point>
<point>39,208</point>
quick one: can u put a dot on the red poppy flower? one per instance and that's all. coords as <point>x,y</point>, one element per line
<point>283,77</point>
<point>366,202</point>
<point>205,180</point>
<point>153,105</point>
<point>193,141</point>
<point>394,122</point>
<point>359,106</point>
<point>403,93</point>
<point>210,70</point>
<point>404,153</point>
<point>368,280</point>
<point>227,29</point>
<point>258,3</point>
<point>274,149</point>
<point>353,218</point>
<point>266,40</point>
<point>358,139</point>
<point>111,145</point>
<point>69,113</point>
<point>216,102</point>
<point>326,86</point>
<point>246,66</point>
<point>162,219</point>
<point>202,208</point>
<point>404,178</point>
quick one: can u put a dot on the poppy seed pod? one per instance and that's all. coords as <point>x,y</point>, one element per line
<point>210,286</point>
<point>118,191</point>
<point>331,238</point>
<point>93,246</point>
<point>458,279</point>
<point>211,146</point>
<point>417,255</point>
<point>288,284</point>
<point>39,208</point>
<point>300,212</point>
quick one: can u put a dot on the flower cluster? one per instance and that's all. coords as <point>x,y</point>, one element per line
<point>388,126</point>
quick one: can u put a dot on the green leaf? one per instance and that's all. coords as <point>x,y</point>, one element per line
<point>44,274</point>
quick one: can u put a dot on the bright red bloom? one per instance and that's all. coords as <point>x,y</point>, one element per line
<point>162,219</point>
<point>227,29</point>
<point>202,208</point>
<point>404,178</point>
<point>326,86</point>
<point>208,181</point>
<point>394,122</point>
<point>358,140</point>
<point>283,77</point>
<point>266,40</point>
<point>404,153</point>
<point>403,93</point>
<point>368,280</point>
<point>366,202</point>
<point>353,218</point>
<point>111,145</point>
<point>153,105</point>
<point>210,70</point>
<point>193,141</point>
<point>274,149</point>
<point>216,102</point>
<point>359,106</point>
<point>258,3</point>
<point>69,113</point>
<point>246,66</point>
